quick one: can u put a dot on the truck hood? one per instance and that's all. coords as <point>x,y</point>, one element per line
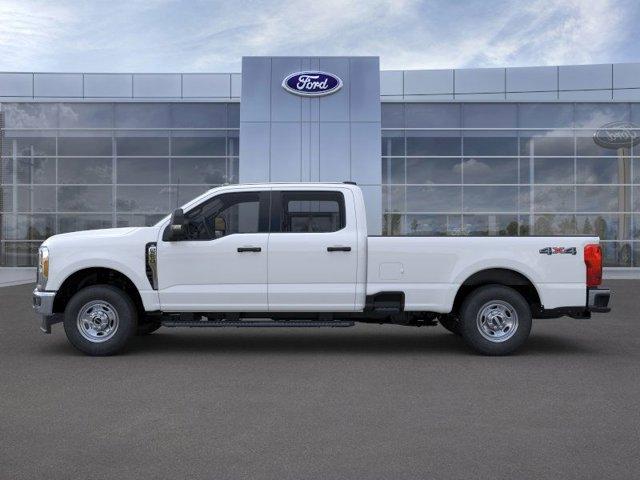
<point>102,236</point>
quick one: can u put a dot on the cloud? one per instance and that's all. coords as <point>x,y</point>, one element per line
<point>27,30</point>
<point>166,35</point>
<point>537,32</point>
<point>551,33</point>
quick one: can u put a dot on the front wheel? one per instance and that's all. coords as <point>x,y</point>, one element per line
<point>100,320</point>
<point>495,320</point>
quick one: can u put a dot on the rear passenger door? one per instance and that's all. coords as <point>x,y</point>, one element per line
<point>312,251</point>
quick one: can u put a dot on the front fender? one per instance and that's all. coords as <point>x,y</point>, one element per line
<point>149,297</point>
<point>67,270</point>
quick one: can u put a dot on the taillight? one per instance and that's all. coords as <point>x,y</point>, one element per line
<point>593,260</point>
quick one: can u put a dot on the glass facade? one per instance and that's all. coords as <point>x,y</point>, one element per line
<point>447,169</point>
<point>77,166</point>
<point>511,169</point>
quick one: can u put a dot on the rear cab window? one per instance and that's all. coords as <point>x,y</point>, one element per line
<point>307,211</point>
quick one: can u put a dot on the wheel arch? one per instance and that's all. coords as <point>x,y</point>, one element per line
<point>498,276</point>
<point>95,276</point>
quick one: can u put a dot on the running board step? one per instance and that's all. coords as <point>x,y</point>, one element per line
<point>258,324</point>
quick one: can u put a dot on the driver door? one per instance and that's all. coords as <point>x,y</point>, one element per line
<point>221,264</point>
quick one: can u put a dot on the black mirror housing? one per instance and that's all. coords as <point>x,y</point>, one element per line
<point>176,229</point>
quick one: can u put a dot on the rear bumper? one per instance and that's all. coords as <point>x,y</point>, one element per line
<point>598,299</point>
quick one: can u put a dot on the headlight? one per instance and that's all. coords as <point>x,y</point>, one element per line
<point>43,267</point>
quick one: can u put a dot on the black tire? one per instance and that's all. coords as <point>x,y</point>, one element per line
<point>100,299</point>
<point>147,327</point>
<point>509,305</point>
<point>451,323</point>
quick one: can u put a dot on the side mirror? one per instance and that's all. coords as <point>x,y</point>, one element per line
<point>176,229</point>
<point>219,227</point>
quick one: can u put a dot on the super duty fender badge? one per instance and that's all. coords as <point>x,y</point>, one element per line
<point>312,83</point>
<point>559,251</point>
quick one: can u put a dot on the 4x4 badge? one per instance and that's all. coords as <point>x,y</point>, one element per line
<point>559,250</point>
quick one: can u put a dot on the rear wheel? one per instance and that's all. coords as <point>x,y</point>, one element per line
<point>495,320</point>
<point>100,320</point>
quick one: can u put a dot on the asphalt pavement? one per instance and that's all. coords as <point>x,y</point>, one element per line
<point>368,402</point>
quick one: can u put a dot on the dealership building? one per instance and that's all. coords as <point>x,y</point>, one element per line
<point>493,151</point>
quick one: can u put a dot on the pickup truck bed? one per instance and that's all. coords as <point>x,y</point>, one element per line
<point>430,270</point>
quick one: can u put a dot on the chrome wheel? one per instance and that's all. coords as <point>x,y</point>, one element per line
<point>497,321</point>
<point>97,321</point>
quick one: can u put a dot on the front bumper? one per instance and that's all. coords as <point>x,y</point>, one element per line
<point>43,305</point>
<point>43,302</point>
<point>598,299</point>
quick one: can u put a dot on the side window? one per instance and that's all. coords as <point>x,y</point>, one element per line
<point>312,212</point>
<point>226,214</point>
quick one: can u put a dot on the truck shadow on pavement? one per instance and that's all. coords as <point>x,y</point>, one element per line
<point>331,343</point>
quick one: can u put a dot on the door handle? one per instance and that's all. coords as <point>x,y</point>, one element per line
<point>338,249</point>
<point>249,249</point>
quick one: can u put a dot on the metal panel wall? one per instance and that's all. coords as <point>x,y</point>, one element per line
<point>108,85</point>
<point>154,85</point>
<point>480,80</point>
<point>532,79</point>
<point>428,82</point>
<point>600,83</point>
<point>626,75</point>
<point>16,84</point>
<point>124,87</point>
<point>202,85</point>
<point>585,77</point>
<point>333,138</point>
<point>66,85</point>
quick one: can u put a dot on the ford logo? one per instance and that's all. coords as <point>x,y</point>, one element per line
<point>312,84</point>
<point>616,135</point>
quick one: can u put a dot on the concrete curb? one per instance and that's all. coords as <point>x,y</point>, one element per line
<point>10,276</point>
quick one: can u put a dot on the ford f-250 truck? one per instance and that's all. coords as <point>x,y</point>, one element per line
<point>298,255</point>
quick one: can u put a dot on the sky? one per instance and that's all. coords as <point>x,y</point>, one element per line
<point>212,36</point>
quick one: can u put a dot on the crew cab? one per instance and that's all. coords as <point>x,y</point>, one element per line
<point>298,255</point>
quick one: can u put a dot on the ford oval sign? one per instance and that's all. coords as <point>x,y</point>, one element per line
<point>312,84</point>
<point>617,135</point>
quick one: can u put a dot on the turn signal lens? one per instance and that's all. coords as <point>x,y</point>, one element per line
<point>45,263</point>
<point>43,267</point>
<point>593,261</point>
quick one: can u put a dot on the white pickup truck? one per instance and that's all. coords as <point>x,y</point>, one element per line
<point>298,255</point>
